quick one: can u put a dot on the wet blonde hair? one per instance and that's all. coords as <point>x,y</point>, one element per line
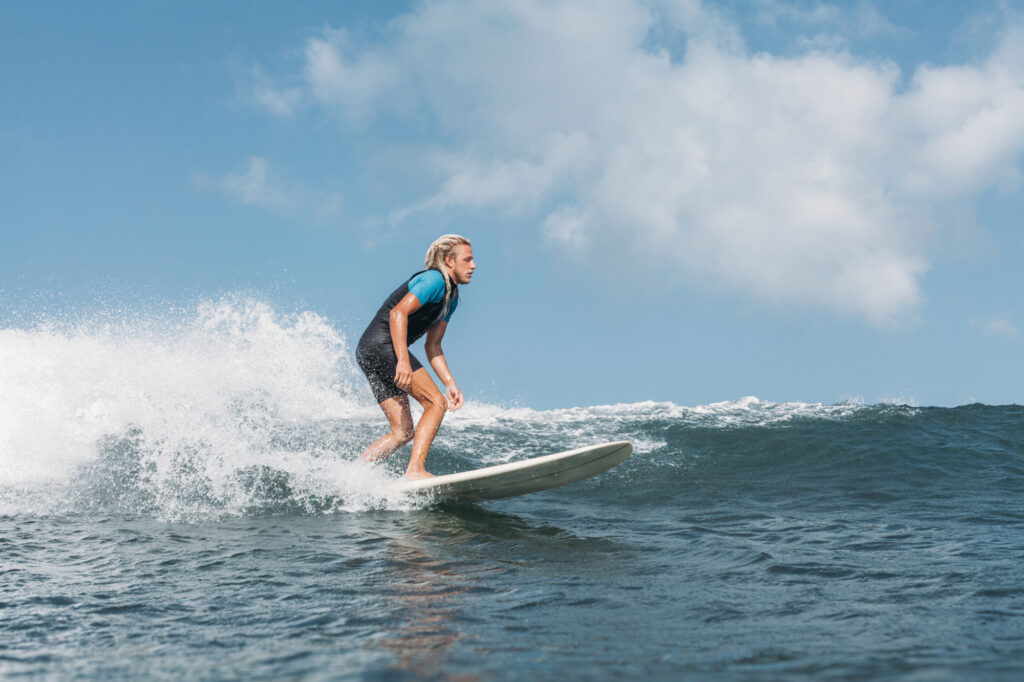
<point>443,247</point>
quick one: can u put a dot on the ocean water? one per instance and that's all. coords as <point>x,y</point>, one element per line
<point>179,499</point>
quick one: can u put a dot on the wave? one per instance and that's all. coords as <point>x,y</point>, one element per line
<point>175,408</point>
<point>234,408</point>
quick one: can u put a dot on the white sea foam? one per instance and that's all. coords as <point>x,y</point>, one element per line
<point>195,400</point>
<point>745,411</point>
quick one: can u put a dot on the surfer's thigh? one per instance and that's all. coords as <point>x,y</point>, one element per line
<point>425,390</point>
<point>378,362</point>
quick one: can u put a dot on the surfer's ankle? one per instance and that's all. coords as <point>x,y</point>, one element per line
<point>418,474</point>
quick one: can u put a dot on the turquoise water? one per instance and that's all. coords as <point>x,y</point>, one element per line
<point>187,518</point>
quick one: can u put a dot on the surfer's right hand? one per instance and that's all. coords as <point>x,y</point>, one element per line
<point>403,375</point>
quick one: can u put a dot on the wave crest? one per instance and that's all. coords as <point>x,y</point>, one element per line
<point>233,407</point>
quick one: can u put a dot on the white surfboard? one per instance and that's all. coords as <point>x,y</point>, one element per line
<point>519,478</point>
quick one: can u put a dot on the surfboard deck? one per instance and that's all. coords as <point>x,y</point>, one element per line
<point>522,477</point>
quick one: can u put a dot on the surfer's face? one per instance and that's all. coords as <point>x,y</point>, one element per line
<point>461,264</point>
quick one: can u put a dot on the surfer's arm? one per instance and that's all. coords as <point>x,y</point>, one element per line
<point>399,323</point>
<point>436,356</point>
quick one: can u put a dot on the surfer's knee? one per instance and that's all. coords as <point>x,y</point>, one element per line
<point>436,403</point>
<point>404,434</point>
<point>402,430</point>
<point>431,399</point>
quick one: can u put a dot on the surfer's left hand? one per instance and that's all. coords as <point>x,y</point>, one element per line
<point>454,396</point>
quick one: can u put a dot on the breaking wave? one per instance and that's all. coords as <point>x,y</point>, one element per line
<point>234,408</point>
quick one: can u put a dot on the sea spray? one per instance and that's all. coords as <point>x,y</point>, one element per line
<point>179,417</point>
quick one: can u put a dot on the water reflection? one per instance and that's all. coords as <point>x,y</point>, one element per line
<point>450,572</point>
<point>428,594</point>
<point>435,563</point>
<point>429,578</point>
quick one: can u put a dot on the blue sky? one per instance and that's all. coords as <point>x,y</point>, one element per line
<point>675,201</point>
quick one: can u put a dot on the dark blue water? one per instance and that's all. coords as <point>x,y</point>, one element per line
<point>745,540</point>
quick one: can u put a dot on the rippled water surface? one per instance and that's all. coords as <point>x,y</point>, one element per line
<point>197,513</point>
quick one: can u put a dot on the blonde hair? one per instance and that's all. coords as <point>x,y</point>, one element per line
<point>443,247</point>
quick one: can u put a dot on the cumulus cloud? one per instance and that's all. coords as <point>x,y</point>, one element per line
<point>258,186</point>
<point>816,179</point>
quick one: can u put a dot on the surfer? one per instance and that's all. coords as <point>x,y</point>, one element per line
<point>423,304</point>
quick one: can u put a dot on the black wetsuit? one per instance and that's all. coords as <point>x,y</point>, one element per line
<point>375,352</point>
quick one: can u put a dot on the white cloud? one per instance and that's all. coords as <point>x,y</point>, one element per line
<point>258,186</point>
<point>251,187</point>
<point>966,123</point>
<point>276,99</point>
<point>352,86</point>
<point>518,183</point>
<point>997,325</point>
<point>280,102</point>
<point>863,20</point>
<point>814,180</point>
<point>567,227</point>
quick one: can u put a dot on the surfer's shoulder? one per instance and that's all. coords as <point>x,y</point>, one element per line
<point>427,286</point>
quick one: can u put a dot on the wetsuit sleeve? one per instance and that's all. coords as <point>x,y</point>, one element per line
<point>428,287</point>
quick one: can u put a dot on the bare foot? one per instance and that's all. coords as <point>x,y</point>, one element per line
<point>418,475</point>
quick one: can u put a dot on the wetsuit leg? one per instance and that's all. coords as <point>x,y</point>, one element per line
<point>379,362</point>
